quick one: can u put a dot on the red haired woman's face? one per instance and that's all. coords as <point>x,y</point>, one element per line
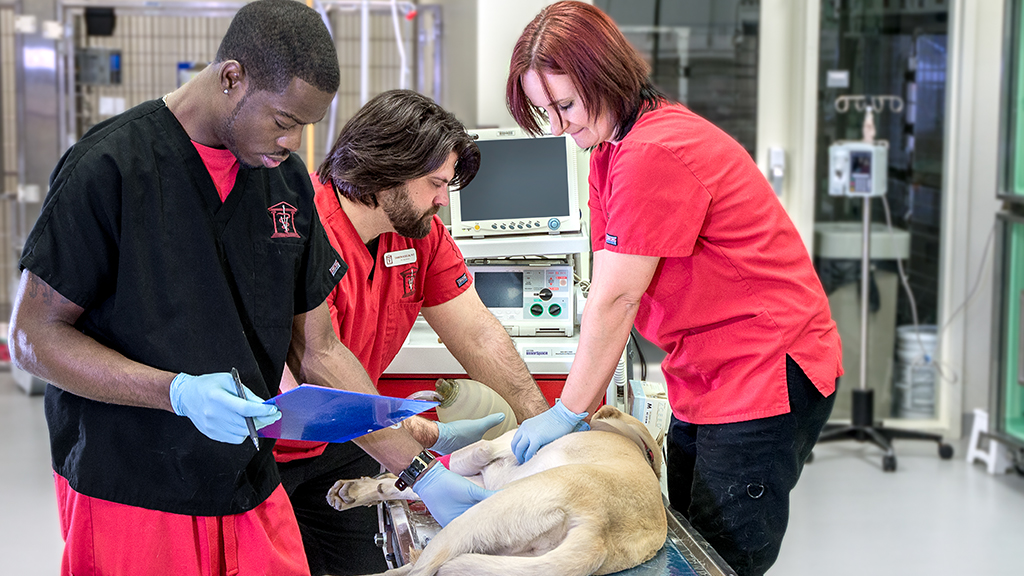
<point>566,110</point>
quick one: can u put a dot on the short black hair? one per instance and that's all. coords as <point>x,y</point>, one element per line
<point>397,136</point>
<point>278,40</point>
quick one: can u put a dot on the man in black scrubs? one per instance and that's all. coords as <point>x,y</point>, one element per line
<point>180,240</point>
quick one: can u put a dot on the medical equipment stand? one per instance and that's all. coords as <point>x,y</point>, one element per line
<point>862,426</point>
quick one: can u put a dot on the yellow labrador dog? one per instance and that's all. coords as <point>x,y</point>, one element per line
<point>587,503</point>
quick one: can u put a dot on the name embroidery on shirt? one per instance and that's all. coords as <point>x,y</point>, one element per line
<point>283,216</point>
<point>400,257</point>
<point>409,279</point>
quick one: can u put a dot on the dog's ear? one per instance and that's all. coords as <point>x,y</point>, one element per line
<point>606,412</point>
<point>612,419</point>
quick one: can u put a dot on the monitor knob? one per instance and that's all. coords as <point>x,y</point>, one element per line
<point>554,223</point>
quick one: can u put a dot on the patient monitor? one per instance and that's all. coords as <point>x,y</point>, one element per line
<point>525,185</point>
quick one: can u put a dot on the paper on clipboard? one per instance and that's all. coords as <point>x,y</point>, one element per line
<point>323,414</point>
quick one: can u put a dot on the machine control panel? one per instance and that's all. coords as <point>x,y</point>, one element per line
<point>529,300</point>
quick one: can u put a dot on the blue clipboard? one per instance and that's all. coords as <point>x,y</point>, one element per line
<point>323,414</point>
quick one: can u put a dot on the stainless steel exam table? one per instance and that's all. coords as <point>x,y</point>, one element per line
<point>407,527</point>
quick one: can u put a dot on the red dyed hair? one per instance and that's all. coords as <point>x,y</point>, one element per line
<point>580,41</point>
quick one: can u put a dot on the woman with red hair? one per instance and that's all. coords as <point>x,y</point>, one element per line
<point>693,248</point>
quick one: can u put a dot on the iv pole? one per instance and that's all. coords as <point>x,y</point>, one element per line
<point>863,427</point>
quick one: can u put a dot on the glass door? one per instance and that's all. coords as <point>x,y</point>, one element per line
<point>886,60</point>
<point>1008,380</point>
<point>1007,387</point>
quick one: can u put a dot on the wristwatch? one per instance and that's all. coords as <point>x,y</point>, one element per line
<point>410,475</point>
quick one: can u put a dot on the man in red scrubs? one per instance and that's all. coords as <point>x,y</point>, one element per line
<point>377,193</point>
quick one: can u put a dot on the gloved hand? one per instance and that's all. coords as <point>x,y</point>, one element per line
<point>543,429</point>
<point>460,433</point>
<point>211,403</point>
<point>446,494</point>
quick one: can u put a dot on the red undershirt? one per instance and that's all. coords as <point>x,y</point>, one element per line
<point>222,166</point>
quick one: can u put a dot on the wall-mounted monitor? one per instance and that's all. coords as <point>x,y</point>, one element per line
<point>525,185</point>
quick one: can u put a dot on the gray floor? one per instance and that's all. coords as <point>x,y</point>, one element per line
<point>932,517</point>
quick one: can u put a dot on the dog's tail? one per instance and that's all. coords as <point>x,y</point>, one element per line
<point>579,554</point>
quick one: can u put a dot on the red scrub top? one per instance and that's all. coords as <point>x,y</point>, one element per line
<point>373,316</point>
<point>735,291</point>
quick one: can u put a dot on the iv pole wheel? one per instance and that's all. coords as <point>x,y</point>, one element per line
<point>889,463</point>
<point>945,451</point>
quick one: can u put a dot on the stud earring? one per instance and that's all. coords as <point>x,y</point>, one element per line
<point>225,90</point>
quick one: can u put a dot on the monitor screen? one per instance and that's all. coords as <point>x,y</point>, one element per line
<point>525,185</point>
<point>518,178</point>
<point>500,289</point>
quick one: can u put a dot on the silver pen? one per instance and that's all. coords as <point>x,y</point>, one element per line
<point>248,419</point>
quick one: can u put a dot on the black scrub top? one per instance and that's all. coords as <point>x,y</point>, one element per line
<point>133,231</point>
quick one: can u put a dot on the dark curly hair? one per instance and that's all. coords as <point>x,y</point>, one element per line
<point>278,40</point>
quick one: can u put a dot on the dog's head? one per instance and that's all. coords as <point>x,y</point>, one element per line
<point>611,419</point>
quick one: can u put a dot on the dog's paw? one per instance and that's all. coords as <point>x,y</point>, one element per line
<point>346,494</point>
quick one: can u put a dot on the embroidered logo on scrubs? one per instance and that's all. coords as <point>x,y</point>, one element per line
<point>409,278</point>
<point>399,257</point>
<point>334,267</point>
<point>611,240</point>
<point>462,280</point>
<point>283,215</point>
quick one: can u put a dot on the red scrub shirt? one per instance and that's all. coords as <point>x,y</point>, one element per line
<point>735,291</point>
<point>373,316</point>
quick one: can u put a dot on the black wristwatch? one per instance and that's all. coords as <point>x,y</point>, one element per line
<point>410,475</point>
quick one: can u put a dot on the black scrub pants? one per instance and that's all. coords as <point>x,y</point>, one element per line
<point>732,481</point>
<point>337,543</point>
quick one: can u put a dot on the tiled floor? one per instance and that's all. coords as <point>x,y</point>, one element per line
<point>931,517</point>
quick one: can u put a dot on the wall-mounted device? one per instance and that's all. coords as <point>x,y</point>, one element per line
<point>528,300</point>
<point>525,185</point>
<point>858,168</point>
<point>98,66</point>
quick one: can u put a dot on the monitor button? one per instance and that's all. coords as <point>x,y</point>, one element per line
<point>554,223</point>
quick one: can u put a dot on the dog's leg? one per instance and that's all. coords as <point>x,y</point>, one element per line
<point>579,554</point>
<point>473,459</point>
<point>365,491</point>
<point>505,524</point>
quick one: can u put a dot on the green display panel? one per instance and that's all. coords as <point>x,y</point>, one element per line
<point>1013,392</point>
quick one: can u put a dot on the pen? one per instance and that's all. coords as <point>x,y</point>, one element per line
<point>248,419</point>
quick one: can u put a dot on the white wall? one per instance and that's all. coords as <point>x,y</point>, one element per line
<point>499,26</point>
<point>972,162</point>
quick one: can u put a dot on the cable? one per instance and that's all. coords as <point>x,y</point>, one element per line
<point>639,353</point>
<point>941,368</point>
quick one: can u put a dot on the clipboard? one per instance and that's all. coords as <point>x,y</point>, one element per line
<point>324,414</point>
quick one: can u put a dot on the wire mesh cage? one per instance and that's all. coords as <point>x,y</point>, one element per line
<point>154,47</point>
<point>8,159</point>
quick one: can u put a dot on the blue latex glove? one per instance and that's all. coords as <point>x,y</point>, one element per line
<point>544,428</point>
<point>460,433</point>
<point>446,494</point>
<point>211,403</point>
